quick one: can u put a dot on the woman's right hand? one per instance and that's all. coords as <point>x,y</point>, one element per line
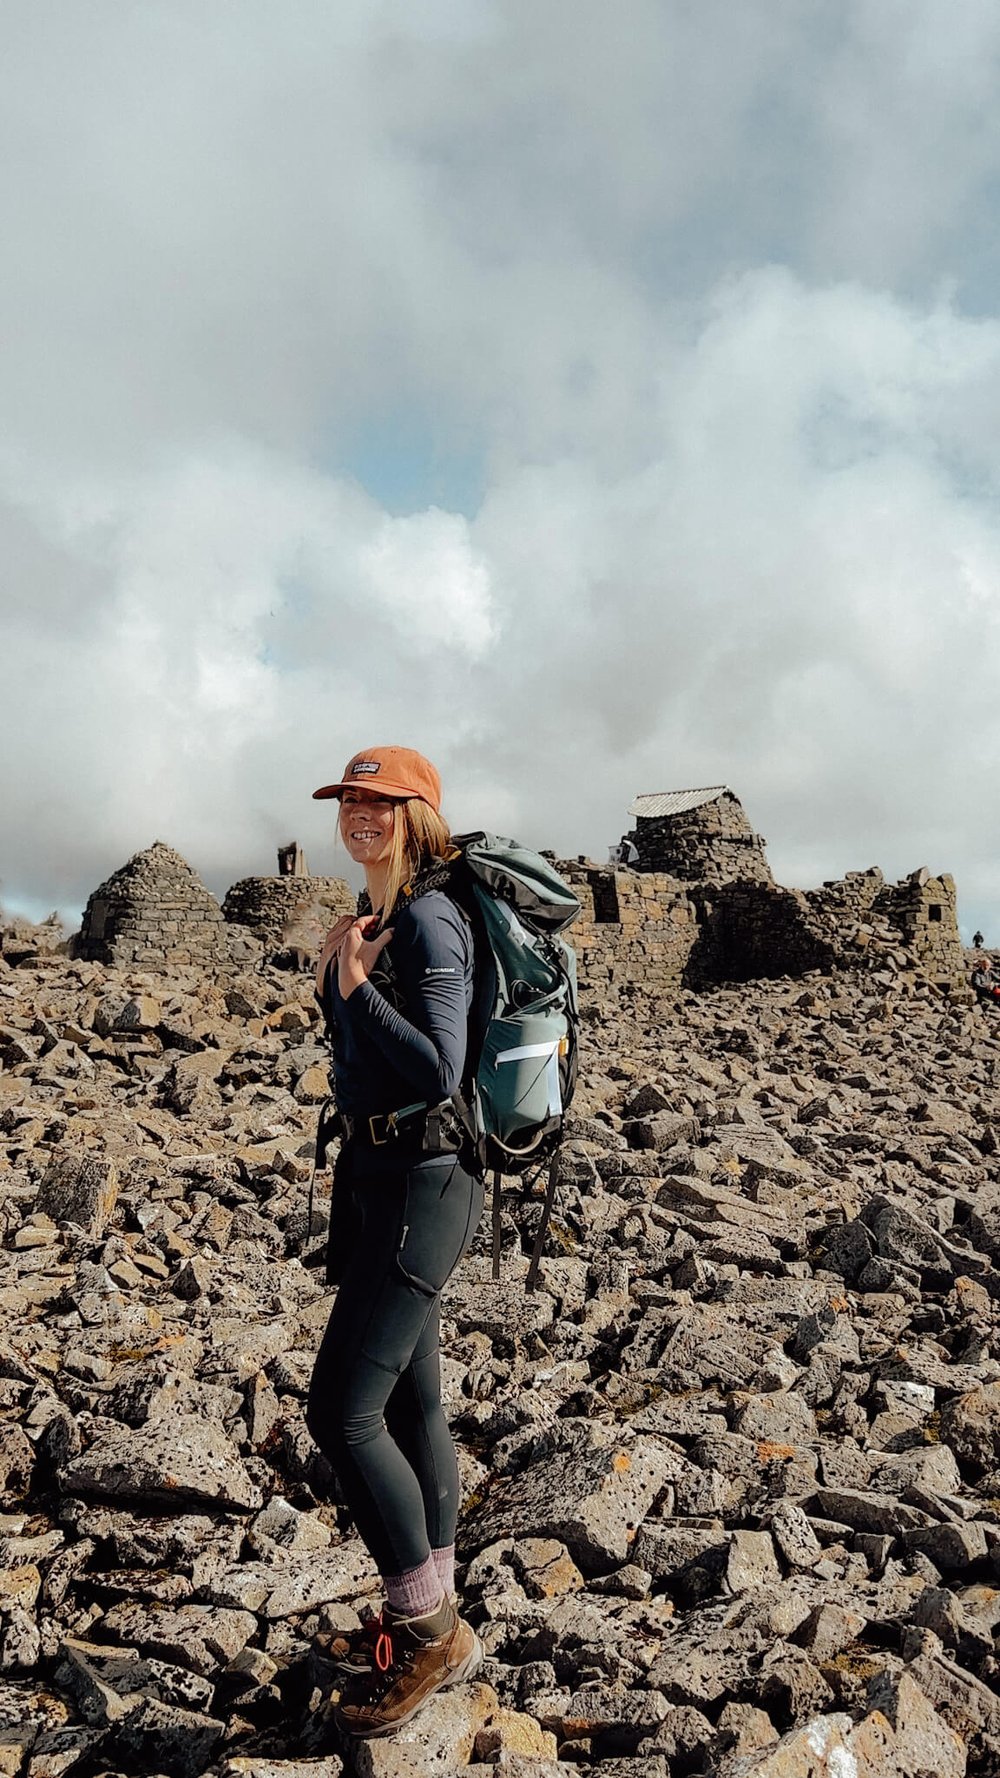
<point>331,946</point>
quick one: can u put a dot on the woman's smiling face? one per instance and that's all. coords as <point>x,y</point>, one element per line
<point>366,824</point>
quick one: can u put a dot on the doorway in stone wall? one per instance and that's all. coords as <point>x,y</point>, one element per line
<point>605,892</point>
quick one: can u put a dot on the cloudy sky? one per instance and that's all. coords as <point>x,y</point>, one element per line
<point>600,398</point>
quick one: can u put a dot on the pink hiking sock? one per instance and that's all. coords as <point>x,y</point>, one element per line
<point>416,1593</point>
<point>444,1561</point>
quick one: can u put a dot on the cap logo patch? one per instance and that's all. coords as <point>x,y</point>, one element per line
<point>366,768</point>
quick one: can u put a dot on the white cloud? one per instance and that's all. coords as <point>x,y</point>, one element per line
<point>696,297</point>
<point>421,570</point>
<point>237,592</point>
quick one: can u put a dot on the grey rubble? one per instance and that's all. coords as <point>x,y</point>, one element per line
<point>729,1474</point>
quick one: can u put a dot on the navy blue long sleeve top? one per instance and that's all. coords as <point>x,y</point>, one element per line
<point>402,1035</point>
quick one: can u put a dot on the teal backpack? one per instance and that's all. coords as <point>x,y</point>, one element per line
<point>523,1026</point>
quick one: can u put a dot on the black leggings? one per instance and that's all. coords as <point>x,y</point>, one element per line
<point>375,1398</point>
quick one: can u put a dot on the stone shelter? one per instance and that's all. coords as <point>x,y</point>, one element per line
<point>154,910</point>
<point>700,836</point>
<point>292,910</point>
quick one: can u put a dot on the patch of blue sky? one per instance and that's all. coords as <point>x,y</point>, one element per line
<point>403,463</point>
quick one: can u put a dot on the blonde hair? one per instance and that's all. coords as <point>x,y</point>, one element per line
<point>419,835</point>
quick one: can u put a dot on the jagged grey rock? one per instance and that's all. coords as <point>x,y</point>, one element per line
<point>81,1189</point>
<point>175,1462</point>
<point>591,1497</point>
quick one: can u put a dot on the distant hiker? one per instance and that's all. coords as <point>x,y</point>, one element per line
<point>977,941</point>
<point>396,988</point>
<point>985,982</point>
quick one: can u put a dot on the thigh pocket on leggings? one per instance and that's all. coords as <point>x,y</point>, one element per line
<point>435,1226</point>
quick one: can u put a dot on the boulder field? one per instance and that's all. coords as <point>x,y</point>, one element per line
<point>731,1502</point>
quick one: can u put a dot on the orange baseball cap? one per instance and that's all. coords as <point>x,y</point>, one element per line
<point>389,771</point>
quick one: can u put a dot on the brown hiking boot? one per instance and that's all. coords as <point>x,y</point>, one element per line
<point>414,1658</point>
<point>353,1652</point>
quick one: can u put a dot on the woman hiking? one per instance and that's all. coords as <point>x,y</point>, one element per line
<point>396,988</point>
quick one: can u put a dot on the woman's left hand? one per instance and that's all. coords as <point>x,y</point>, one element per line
<point>357,954</point>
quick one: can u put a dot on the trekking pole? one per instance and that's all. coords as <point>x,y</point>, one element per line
<point>536,1253</point>
<point>496,1224</point>
<point>324,1131</point>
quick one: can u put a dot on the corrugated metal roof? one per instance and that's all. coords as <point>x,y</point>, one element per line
<point>674,802</point>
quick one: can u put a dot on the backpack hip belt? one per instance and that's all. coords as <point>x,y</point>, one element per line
<point>443,1131</point>
<point>438,1127</point>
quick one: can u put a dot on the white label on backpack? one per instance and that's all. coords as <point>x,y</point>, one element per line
<point>529,1052</point>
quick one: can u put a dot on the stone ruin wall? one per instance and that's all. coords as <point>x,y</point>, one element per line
<point>862,914</point>
<point>750,930</point>
<point>925,909</point>
<point>636,930</point>
<point>652,935</point>
<point>288,910</point>
<point>649,932</point>
<point>711,844</point>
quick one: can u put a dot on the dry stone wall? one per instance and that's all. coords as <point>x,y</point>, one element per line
<point>915,919</point>
<point>717,915</point>
<point>635,931</point>
<point>924,909</point>
<point>750,930</point>
<point>288,909</point>
<point>649,932</point>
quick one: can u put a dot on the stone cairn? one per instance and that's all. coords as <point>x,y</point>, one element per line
<point>154,910</point>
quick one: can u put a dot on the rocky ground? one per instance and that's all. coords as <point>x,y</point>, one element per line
<point>730,1472</point>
